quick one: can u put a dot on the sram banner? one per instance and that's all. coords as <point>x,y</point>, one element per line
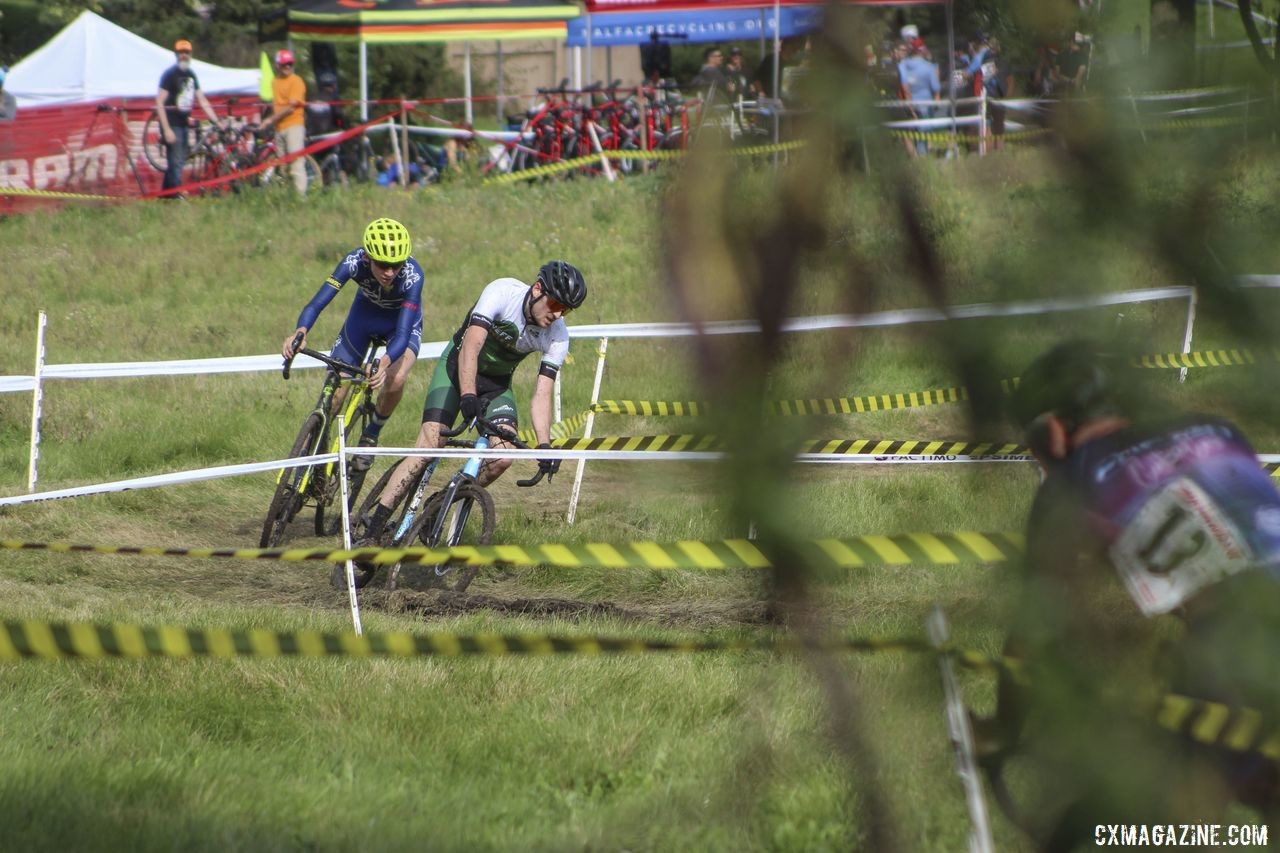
<point>93,149</point>
<point>77,148</point>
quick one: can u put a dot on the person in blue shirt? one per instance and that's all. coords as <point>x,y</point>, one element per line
<point>919,79</point>
<point>388,305</point>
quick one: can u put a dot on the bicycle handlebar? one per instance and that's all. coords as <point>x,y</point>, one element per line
<point>335,364</point>
<point>486,427</point>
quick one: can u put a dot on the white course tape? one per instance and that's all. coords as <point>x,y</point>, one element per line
<point>884,318</point>
<point>180,477</point>
<point>173,479</point>
<point>264,363</point>
<point>199,475</point>
<point>1258,280</point>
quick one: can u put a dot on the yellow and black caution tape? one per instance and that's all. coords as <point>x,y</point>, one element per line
<point>1211,723</point>
<point>55,194</point>
<point>915,399</point>
<point>826,406</point>
<point>661,154</point>
<point>1206,358</point>
<point>903,549</point>
<point>946,137</point>
<point>559,429</point>
<point>830,447</point>
<point>21,640</point>
<point>1192,123</point>
<point>1237,729</point>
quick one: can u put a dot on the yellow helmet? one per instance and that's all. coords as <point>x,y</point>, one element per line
<point>387,241</point>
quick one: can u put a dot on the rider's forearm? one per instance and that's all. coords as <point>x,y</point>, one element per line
<point>540,409</point>
<point>469,358</point>
<point>208,108</point>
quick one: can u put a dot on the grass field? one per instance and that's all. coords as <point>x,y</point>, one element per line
<point>636,753</point>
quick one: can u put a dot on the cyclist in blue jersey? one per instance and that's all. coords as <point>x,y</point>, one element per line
<point>510,321</point>
<point>1180,508</point>
<point>388,304</point>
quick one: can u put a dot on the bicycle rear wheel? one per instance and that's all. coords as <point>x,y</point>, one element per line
<point>289,495</point>
<point>467,520</point>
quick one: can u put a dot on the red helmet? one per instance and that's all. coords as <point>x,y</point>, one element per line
<point>284,57</point>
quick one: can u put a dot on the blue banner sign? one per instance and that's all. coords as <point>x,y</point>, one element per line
<point>711,25</point>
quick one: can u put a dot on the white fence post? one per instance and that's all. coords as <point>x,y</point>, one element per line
<point>591,420</point>
<point>346,525</point>
<point>982,123</point>
<point>980,840</point>
<point>37,398</point>
<point>1186,335</point>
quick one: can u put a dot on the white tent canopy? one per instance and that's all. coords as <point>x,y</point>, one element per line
<point>92,59</point>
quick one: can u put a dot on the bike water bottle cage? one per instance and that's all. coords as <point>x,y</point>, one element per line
<point>387,242</point>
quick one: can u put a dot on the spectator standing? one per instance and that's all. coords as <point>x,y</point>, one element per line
<point>288,99</point>
<point>1073,66</point>
<point>179,91</point>
<point>8,103</point>
<point>1042,76</point>
<point>736,74</point>
<point>919,78</point>
<point>711,78</point>
<point>997,81</point>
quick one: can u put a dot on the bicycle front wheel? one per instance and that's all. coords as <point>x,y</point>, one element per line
<point>290,491</point>
<point>467,520</point>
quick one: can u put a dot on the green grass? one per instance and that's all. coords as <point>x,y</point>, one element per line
<point>660,752</point>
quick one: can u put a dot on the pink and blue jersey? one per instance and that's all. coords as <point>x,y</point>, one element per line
<point>1177,509</point>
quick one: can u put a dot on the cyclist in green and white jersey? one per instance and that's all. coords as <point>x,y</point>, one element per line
<point>510,321</point>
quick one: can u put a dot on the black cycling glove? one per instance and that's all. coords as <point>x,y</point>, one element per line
<point>471,407</point>
<point>548,466</point>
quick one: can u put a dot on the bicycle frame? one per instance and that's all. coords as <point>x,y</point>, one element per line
<point>353,394</point>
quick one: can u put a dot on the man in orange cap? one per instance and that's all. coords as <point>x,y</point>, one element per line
<point>288,97</point>
<point>179,90</point>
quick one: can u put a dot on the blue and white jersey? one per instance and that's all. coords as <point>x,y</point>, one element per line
<point>402,300</point>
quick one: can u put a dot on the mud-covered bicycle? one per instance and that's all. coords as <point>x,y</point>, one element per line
<point>461,513</point>
<point>345,390</point>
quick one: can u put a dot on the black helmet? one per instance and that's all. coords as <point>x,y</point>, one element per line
<point>563,282</point>
<point>1070,381</point>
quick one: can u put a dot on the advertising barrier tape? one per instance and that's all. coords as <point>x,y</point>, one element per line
<point>903,549</point>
